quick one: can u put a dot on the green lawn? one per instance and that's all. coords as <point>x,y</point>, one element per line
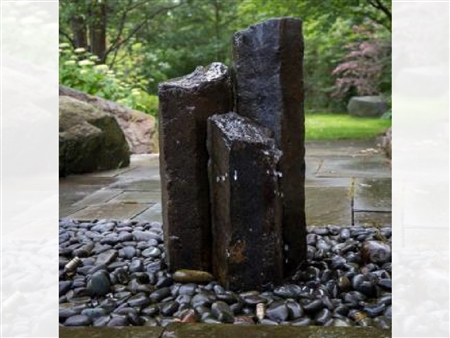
<point>343,127</point>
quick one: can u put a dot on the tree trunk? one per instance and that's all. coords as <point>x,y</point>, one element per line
<point>78,26</point>
<point>97,32</point>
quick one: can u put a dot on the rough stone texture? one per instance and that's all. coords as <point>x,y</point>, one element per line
<point>367,106</point>
<point>139,128</point>
<point>89,139</point>
<point>77,149</point>
<point>384,141</point>
<point>224,331</point>
<point>269,89</point>
<point>185,105</point>
<point>107,332</point>
<point>260,331</point>
<point>245,203</point>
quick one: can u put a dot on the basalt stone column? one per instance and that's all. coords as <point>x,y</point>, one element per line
<point>184,106</point>
<point>245,203</point>
<point>267,61</point>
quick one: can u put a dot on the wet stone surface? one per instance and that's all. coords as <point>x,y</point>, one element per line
<point>267,62</point>
<point>373,194</point>
<point>246,203</point>
<point>346,282</point>
<point>184,106</point>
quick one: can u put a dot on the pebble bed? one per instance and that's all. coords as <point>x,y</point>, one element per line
<point>122,280</point>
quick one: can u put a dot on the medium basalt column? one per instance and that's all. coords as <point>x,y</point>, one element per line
<point>245,203</point>
<point>184,106</point>
<point>267,61</point>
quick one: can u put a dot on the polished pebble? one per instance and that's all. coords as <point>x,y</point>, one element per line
<point>124,281</point>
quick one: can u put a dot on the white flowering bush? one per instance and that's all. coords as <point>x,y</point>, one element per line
<point>79,69</point>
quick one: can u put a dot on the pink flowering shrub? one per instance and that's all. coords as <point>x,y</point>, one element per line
<point>366,67</point>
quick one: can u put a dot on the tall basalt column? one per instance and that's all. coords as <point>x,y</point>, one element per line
<point>268,71</point>
<point>245,203</point>
<point>184,106</point>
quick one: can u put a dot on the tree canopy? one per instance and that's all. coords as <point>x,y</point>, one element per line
<point>149,41</point>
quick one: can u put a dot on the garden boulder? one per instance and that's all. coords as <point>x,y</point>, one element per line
<point>89,139</point>
<point>139,128</point>
<point>367,106</point>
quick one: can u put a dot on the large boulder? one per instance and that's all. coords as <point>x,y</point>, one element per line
<point>139,128</point>
<point>367,106</point>
<point>89,139</point>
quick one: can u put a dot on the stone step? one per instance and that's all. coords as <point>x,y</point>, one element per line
<point>225,331</point>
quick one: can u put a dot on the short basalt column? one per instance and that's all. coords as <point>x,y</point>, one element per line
<point>245,203</point>
<point>267,61</point>
<point>184,106</point>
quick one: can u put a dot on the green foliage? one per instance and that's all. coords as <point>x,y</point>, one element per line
<point>196,33</point>
<point>79,69</point>
<point>388,114</point>
<point>150,41</point>
<point>322,126</point>
<point>366,66</point>
<point>327,29</point>
<point>323,51</point>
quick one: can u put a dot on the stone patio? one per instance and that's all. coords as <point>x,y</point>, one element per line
<point>347,183</point>
<point>225,331</point>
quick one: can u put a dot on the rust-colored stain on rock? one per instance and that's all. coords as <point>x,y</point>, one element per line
<point>237,252</point>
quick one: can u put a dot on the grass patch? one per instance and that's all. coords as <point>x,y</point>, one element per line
<point>343,127</point>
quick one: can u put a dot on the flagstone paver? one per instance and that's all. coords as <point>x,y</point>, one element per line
<point>347,182</point>
<point>373,219</point>
<point>122,210</point>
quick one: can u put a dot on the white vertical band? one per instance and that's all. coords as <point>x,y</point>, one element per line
<point>29,168</point>
<point>420,164</point>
